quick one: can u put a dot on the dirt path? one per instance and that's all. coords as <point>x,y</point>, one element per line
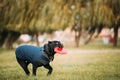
<point>93,51</point>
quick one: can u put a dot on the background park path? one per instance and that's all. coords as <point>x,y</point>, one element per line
<point>93,51</point>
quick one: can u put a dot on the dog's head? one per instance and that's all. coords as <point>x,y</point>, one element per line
<point>49,48</point>
<point>55,44</point>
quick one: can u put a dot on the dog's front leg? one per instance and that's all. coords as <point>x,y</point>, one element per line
<point>34,70</point>
<point>49,68</point>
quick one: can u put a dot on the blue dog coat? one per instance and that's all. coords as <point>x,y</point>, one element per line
<point>32,54</point>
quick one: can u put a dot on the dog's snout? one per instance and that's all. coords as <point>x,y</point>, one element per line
<point>61,46</point>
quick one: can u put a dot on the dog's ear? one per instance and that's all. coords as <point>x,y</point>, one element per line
<point>49,42</point>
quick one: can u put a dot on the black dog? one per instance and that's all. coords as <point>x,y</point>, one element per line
<point>37,56</point>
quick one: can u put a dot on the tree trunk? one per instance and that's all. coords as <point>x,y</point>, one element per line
<point>37,41</point>
<point>89,39</point>
<point>5,44</point>
<point>115,35</point>
<point>77,37</point>
<point>3,35</point>
<point>10,38</point>
<point>13,39</point>
<point>91,32</point>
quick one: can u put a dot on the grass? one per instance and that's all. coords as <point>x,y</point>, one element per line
<point>76,66</point>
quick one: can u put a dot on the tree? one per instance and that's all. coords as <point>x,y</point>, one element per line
<point>30,16</point>
<point>115,7</point>
<point>95,15</point>
<point>45,16</point>
<point>15,19</point>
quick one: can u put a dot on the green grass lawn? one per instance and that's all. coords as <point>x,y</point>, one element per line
<point>73,66</point>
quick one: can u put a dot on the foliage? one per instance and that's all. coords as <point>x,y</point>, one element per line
<point>44,15</point>
<point>32,16</point>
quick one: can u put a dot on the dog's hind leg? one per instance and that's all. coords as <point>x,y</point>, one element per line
<point>24,65</point>
<point>35,65</point>
<point>49,68</point>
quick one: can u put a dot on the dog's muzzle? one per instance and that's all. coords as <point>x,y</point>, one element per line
<point>61,46</point>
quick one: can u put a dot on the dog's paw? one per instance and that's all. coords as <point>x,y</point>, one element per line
<point>48,74</point>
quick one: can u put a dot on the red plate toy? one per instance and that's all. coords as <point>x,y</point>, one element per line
<point>60,50</point>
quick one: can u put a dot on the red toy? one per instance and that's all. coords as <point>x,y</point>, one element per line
<point>60,50</point>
